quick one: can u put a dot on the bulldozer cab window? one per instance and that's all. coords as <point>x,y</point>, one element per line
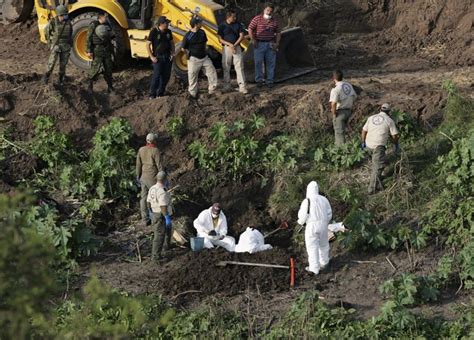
<point>139,12</point>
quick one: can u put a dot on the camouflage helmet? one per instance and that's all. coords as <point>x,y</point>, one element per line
<point>61,10</point>
<point>102,31</point>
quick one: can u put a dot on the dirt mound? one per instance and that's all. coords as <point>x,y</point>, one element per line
<point>198,271</point>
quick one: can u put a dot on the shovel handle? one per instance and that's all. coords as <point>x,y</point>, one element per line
<point>253,264</point>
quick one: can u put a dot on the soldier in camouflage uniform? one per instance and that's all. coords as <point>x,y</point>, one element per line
<point>59,37</point>
<point>99,49</point>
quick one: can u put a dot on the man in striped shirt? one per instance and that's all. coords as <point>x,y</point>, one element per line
<point>265,34</point>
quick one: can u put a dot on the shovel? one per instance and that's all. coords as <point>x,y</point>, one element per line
<point>283,226</point>
<point>225,263</point>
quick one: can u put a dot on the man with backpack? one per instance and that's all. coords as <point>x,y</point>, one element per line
<point>100,49</point>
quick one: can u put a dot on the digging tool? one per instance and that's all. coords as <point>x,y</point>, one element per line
<point>226,263</point>
<point>283,226</point>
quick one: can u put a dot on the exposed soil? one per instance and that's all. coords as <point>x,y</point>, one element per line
<point>392,51</point>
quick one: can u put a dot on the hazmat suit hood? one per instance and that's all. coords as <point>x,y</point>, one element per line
<point>312,190</point>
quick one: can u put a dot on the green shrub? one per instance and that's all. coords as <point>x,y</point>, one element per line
<point>345,156</point>
<point>235,151</point>
<point>51,146</point>
<point>26,277</point>
<point>176,127</point>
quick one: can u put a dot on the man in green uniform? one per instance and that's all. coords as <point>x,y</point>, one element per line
<point>58,33</point>
<point>147,167</point>
<point>100,49</point>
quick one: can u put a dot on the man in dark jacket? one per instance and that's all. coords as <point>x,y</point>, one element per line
<point>161,51</point>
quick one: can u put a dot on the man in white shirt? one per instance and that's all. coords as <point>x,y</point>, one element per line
<point>374,137</point>
<point>159,201</point>
<point>211,224</point>
<point>342,99</point>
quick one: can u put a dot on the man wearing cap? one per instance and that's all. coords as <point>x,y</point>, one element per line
<point>159,200</point>
<point>374,137</point>
<point>341,100</point>
<point>99,49</point>
<point>58,34</point>
<point>231,34</point>
<point>211,224</point>
<point>147,167</point>
<point>194,44</point>
<point>265,34</point>
<point>161,51</point>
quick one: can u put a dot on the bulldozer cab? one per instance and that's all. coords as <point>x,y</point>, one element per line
<point>139,13</point>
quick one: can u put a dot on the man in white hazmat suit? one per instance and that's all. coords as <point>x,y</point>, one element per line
<point>315,211</point>
<point>211,224</point>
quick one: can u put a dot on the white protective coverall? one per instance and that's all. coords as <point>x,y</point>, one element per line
<point>316,233</point>
<point>251,241</point>
<point>204,225</point>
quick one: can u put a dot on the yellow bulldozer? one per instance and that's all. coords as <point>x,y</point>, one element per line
<point>131,21</point>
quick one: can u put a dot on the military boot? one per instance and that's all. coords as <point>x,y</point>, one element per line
<point>90,89</point>
<point>45,78</point>
<point>61,80</point>
<point>110,87</point>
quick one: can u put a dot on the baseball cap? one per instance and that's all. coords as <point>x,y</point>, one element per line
<point>386,107</point>
<point>163,20</point>
<point>150,137</point>
<point>161,176</point>
<point>216,208</point>
<point>195,20</point>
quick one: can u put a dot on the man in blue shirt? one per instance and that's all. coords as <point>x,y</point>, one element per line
<point>231,35</point>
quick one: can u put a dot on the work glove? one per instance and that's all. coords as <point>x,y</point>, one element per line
<point>212,233</point>
<point>168,222</point>
<point>396,148</point>
<point>363,145</point>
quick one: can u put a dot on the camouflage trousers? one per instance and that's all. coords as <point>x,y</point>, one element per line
<point>55,55</point>
<point>102,63</point>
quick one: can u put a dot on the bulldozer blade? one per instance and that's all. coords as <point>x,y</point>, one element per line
<point>16,10</point>
<point>293,58</point>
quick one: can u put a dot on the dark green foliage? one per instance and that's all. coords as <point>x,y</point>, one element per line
<point>345,156</point>
<point>176,127</point>
<point>236,151</point>
<point>26,279</point>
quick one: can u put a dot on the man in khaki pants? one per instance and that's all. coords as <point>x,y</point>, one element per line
<point>194,44</point>
<point>231,35</point>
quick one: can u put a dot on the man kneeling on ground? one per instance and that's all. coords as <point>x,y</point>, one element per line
<point>211,224</point>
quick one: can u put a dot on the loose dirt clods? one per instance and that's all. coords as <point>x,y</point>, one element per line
<point>387,51</point>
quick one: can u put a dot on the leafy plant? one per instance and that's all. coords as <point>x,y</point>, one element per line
<point>51,146</point>
<point>176,127</point>
<point>235,150</point>
<point>26,278</point>
<point>408,128</point>
<point>345,156</point>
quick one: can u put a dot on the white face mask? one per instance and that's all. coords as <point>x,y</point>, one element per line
<point>214,216</point>
<point>267,16</point>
